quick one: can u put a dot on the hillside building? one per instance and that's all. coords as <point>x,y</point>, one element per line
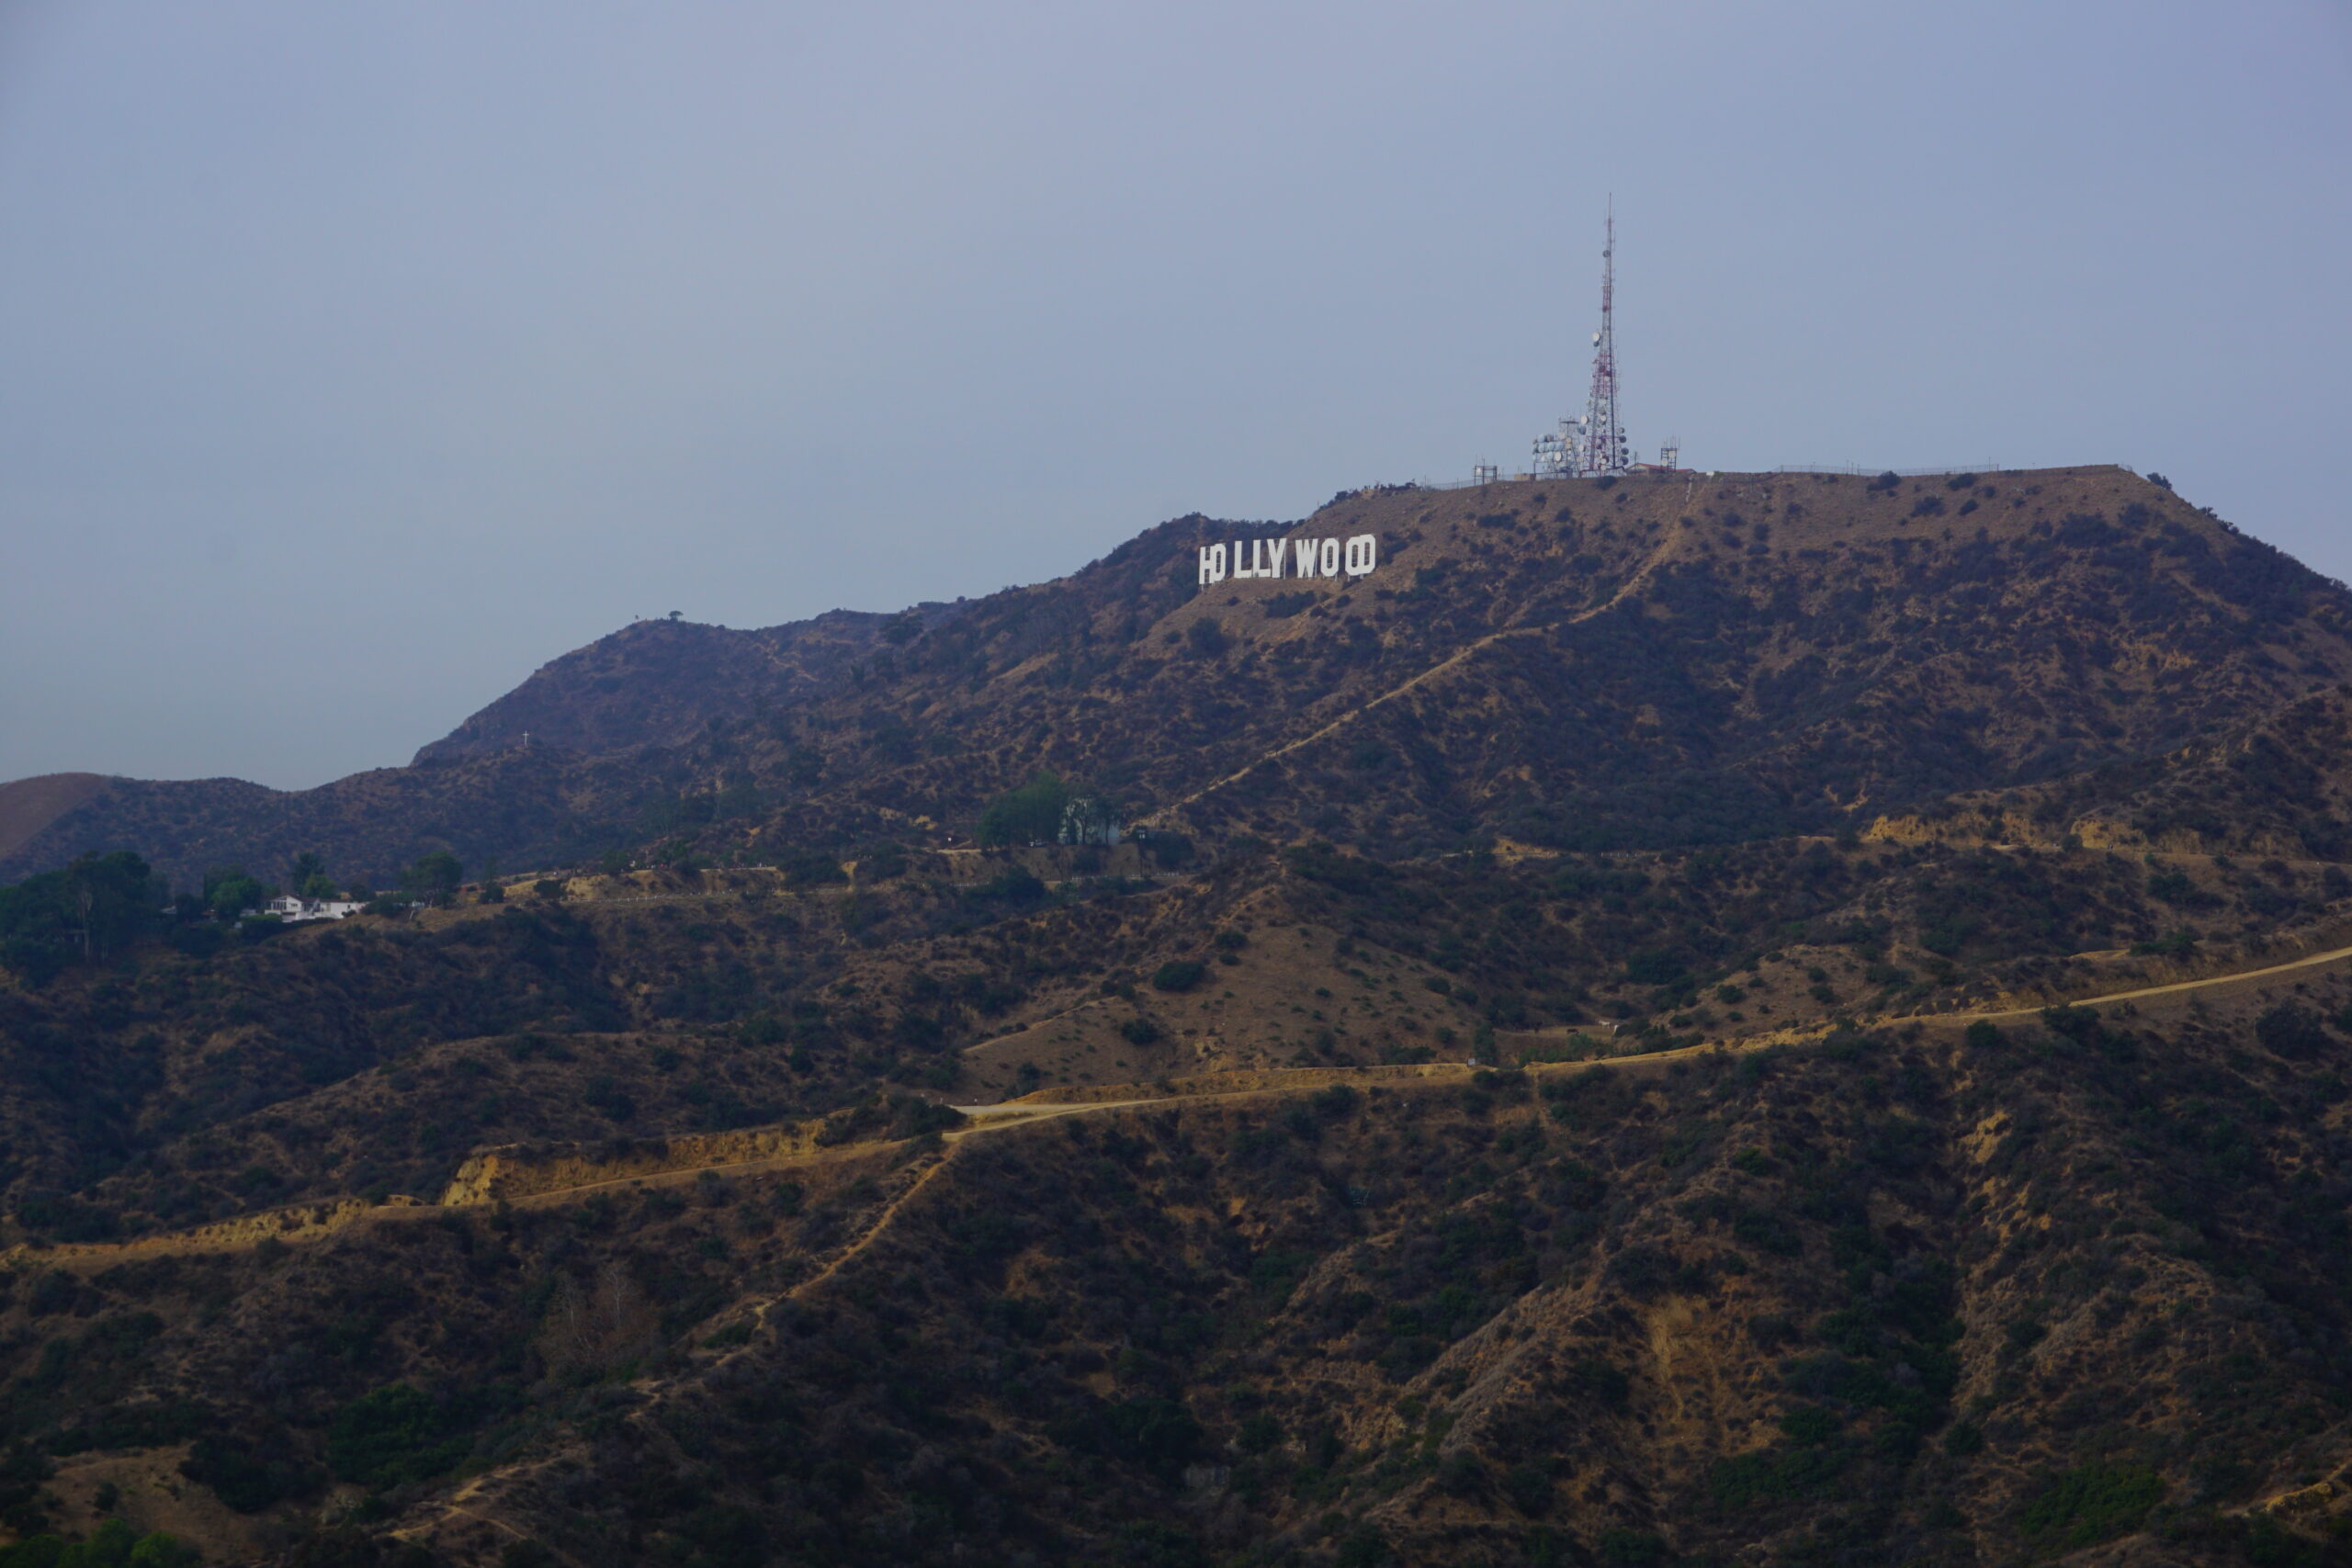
<point>291,909</point>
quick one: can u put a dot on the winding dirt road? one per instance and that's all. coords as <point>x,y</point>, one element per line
<point>307,1223</point>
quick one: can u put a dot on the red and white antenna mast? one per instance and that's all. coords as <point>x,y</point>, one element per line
<point>1601,439</point>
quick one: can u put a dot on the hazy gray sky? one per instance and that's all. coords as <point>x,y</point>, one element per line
<point>357,359</point>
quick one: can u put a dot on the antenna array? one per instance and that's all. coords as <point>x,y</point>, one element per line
<point>1604,449</point>
<point>1594,442</point>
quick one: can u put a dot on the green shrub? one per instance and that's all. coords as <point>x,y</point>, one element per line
<point>882,863</point>
<point>1139,1031</point>
<point>393,1435</point>
<point>1170,851</point>
<point>1182,975</point>
<point>1143,1543</point>
<point>1336,1103</point>
<point>1153,1434</point>
<point>1259,1433</point>
<point>111,1545</point>
<point>433,878</point>
<point>246,1476</point>
<point>1011,886</point>
<point>2178,945</point>
<point>1461,1474</point>
<point>807,868</point>
<point>1031,814</point>
<point>1810,1426</point>
<point>1528,1487</point>
<point>1776,1475</point>
<point>1654,969</point>
<point>2176,887</point>
<point>1632,1549</point>
<point>914,1117</point>
<point>227,890</point>
<point>2094,1503</point>
<point>1643,1270</point>
<point>1766,1231</point>
<point>23,1469</point>
<point>2292,1030</point>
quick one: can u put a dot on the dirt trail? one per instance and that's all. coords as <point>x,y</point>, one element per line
<point>313,1222</point>
<point>2307,962</point>
<point>873,1233</point>
<point>1641,576</point>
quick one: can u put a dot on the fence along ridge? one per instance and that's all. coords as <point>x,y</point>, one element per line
<point>1859,471</point>
<point>1855,470</point>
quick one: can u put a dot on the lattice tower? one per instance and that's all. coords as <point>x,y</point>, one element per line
<point>1601,442</point>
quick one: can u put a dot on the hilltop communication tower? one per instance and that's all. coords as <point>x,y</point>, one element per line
<point>1594,444</point>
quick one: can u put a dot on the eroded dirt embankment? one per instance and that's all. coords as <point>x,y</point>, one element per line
<point>299,1222</point>
<point>518,1171</point>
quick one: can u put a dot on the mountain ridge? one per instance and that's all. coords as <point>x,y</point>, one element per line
<point>1777,1019</point>
<point>1754,646</point>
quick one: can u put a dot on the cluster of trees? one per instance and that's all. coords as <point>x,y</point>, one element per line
<point>1031,814</point>
<point>112,1545</point>
<point>101,904</point>
<point>1035,813</point>
<point>96,906</point>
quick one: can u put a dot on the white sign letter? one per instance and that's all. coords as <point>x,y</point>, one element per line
<point>1213,563</point>
<point>1364,554</point>
<point>1330,557</point>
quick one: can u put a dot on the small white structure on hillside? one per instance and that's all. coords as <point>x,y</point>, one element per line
<point>290,909</point>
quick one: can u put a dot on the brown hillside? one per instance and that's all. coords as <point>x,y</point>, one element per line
<point>1742,1020</point>
<point>27,806</point>
<point>1668,660</point>
<point>374,1054</point>
<point>2276,785</point>
<point>1906,1298</point>
<point>1586,669</point>
<point>661,682</point>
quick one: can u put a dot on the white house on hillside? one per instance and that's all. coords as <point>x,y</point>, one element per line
<point>290,909</point>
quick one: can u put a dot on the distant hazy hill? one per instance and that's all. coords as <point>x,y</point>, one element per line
<point>661,683</point>
<point>1665,659</point>
<point>28,806</point>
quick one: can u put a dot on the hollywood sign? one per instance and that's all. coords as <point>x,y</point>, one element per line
<point>1304,557</point>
